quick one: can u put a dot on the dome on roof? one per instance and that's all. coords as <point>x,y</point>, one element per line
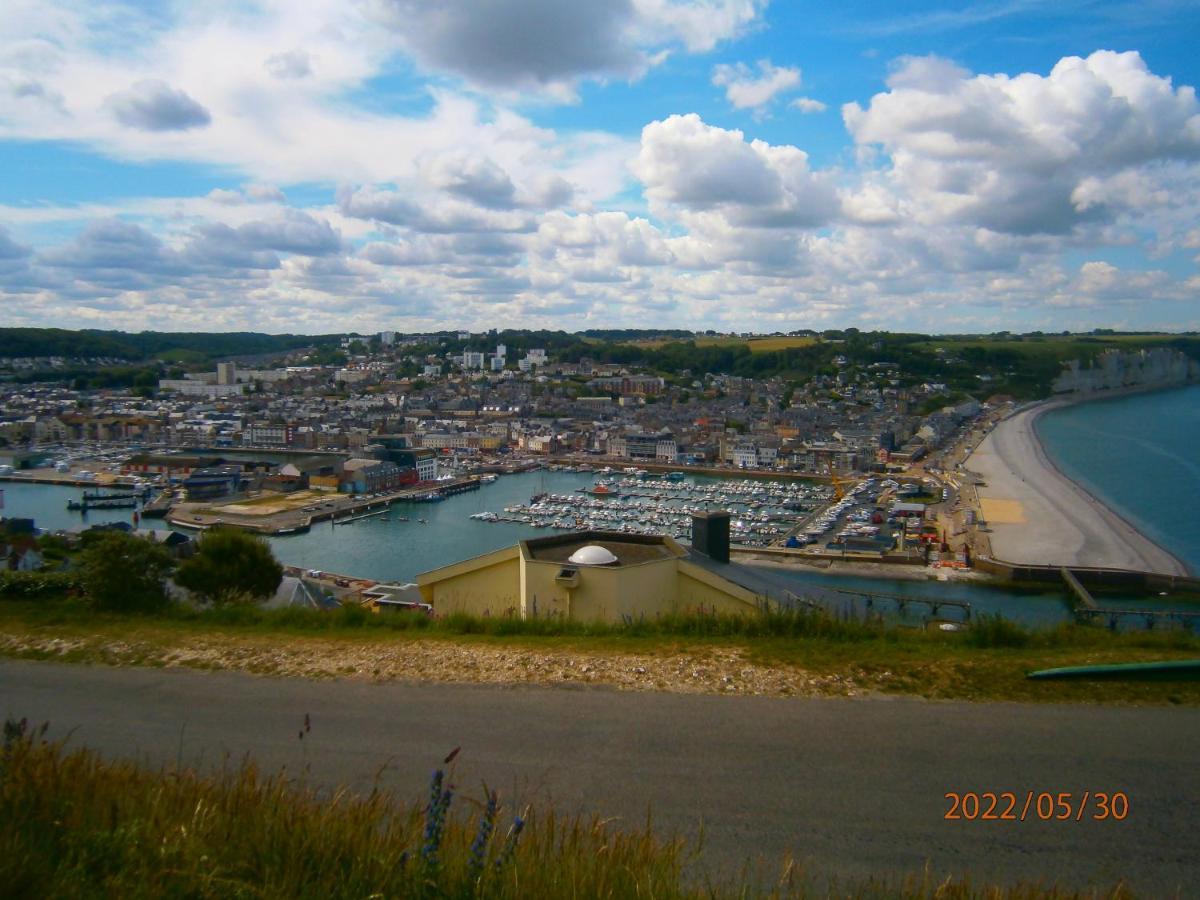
<point>592,555</point>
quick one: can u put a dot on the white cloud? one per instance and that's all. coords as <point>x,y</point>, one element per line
<point>691,166</point>
<point>808,105</point>
<point>699,24</point>
<point>548,46</point>
<point>210,67</point>
<point>153,105</point>
<point>744,90</point>
<point>968,192</point>
<point>1030,154</point>
<point>290,64</point>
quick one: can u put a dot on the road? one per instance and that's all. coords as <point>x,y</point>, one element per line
<point>849,786</point>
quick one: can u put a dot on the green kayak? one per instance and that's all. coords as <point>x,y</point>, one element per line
<point>1175,670</point>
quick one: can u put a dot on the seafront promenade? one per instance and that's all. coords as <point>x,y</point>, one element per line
<point>1039,516</point>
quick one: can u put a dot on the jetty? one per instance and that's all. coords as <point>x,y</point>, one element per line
<point>103,501</point>
<point>159,506</point>
<point>1148,617</point>
<point>350,520</point>
<point>902,601</point>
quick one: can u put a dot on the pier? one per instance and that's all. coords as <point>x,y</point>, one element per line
<point>935,604</point>
<point>1149,617</point>
<point>350,520</point>
<point>159,506</point>
<point>124,498</point>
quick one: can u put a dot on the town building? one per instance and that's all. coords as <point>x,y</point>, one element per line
<point>213,482</point>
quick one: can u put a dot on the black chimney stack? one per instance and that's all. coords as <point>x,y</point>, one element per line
<point>710,534</point>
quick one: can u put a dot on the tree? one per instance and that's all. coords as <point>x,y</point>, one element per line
<point>125,573</point>
<point>231,566</point>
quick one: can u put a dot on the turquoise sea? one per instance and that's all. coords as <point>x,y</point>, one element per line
<point>1140,455</point>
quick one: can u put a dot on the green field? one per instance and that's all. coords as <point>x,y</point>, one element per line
<point>771,344</point>
<point>756,344</point>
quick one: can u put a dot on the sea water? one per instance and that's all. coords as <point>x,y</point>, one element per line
<point>1140,455</point>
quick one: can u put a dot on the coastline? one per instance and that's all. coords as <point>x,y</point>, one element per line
<point>1039,515</point>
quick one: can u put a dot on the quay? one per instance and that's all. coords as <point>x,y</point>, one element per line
<point>270,519</point>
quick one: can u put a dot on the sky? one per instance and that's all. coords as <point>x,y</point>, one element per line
<point>737,165</point>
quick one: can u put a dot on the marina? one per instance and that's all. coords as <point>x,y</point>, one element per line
<point>764,512</point>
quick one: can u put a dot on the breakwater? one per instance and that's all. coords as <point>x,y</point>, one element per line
<point>1090,576</point>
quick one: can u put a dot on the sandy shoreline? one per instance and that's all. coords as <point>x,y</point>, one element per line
<point>1040,516</point>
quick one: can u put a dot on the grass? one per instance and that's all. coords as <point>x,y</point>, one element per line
<point>75,825</point>
<point>756,345</point>
<point>296,500</point>
<point>772,344</point>
<point>989,661</point>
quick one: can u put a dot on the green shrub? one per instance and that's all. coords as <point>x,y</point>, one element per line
<point>996,631</point>
<point>125,573</point>
<point>231,566</point>
<point>38,585</point>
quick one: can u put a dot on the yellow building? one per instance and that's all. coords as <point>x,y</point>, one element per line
<point>595,576</point>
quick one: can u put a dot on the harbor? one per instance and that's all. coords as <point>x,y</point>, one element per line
<point>764,512</point>
<point>394,539</point>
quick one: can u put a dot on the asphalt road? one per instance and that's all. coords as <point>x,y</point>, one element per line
<point>854,787</point>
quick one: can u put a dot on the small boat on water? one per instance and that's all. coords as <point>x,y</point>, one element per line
<point>675,476</point>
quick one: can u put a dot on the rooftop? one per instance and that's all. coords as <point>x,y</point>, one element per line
<point>629,549</point>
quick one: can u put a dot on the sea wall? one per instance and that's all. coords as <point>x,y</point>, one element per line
<point>1114,369</point>
<point>1089,576</point>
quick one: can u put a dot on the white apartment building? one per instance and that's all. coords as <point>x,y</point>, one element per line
<point>191,388</point>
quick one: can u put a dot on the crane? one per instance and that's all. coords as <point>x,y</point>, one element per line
<point>839,488</point>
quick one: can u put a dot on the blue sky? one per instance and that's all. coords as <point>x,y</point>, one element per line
<point>726,164</point>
